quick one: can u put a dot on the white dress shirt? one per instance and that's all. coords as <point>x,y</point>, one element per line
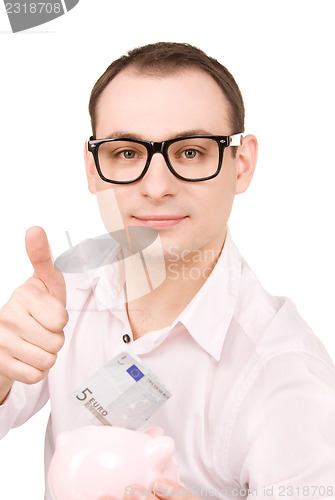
<point>253,389</point>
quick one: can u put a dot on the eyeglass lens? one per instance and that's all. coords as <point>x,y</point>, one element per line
<point>193,158</point>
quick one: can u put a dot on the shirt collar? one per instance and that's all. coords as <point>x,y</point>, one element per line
<point>207,317</point>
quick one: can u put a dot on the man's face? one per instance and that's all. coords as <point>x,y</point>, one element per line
<point>189,216</point>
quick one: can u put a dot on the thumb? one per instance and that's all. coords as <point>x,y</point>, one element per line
<point>39,253</point>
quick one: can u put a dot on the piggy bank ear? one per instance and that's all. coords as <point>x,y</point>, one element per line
<point>154,431</point>
<point>159,451</point>
<point>62,439</point>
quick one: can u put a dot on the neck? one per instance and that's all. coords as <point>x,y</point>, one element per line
<point>162,305</point>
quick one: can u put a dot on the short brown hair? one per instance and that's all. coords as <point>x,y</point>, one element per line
<point>168,57</point>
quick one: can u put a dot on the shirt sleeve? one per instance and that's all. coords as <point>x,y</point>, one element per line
<point>22,403</point>
<point>283,442</point>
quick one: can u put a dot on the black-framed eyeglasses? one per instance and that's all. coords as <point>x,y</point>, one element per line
<point>192,158</point>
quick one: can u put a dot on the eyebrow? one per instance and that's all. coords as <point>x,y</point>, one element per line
<point>130,135</point>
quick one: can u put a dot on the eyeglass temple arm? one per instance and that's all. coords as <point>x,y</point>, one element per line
<point>235,140</point>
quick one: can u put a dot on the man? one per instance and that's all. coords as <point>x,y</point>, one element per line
<point>253,390</point>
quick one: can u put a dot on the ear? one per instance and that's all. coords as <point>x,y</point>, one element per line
<point>90,169</point>
<point>246,159</point>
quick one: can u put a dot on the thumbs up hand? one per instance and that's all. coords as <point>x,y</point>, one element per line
<point>32,321</point>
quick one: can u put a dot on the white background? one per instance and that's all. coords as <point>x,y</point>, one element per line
<point>282,56</point>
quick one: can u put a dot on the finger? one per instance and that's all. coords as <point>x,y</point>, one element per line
<point>52,315</point>
<point>32,300</point>
<point>165,488</point>
<point>39,254</point>
<point>29,330</point>
<point>37,335</point>
<point>138,492</point>
<point>28,354</point>
<point>22,372</point>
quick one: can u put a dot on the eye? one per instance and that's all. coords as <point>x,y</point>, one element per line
<point>190,153</point>
<point>128,154</point>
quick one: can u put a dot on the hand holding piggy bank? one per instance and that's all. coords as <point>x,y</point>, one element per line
<point>94,462</point>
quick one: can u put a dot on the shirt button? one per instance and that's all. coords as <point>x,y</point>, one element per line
<point>126,338</point>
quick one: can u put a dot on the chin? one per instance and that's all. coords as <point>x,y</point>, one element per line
<point>174,252</point>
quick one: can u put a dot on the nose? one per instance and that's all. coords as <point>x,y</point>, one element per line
<point>158,181</point>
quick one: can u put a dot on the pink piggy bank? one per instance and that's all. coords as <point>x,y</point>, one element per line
<point>94,462</point>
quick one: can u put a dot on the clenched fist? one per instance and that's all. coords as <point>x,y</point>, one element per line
<point>32,321</point>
